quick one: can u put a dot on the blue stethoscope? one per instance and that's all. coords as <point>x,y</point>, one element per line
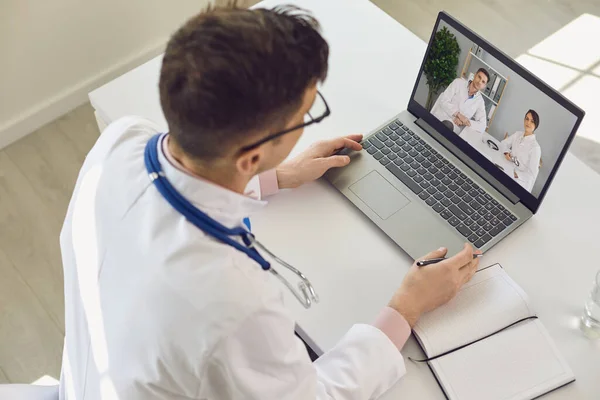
<point>208,225</point>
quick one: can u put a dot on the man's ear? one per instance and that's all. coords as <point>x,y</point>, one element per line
<point>248,163</point>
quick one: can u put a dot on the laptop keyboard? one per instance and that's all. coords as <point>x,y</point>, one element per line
<point>443,187</point>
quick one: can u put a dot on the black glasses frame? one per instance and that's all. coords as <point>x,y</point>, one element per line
<point>303,125</point>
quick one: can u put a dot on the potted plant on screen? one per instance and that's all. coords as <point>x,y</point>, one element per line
<point>440,66</point>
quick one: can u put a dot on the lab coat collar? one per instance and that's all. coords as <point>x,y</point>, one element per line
<point>224,205</point>
<point>527,139</point>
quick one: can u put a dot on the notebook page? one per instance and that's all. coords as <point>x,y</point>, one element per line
<point>487,303</point>
<point>520,363</point>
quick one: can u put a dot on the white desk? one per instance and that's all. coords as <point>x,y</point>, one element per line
<point>480,141</point>
<point>354,266</point>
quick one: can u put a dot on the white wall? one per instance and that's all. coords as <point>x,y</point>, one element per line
<point>52,53</point>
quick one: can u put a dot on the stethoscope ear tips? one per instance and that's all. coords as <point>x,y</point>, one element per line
<point>306,293</point>
<point>309,295</point>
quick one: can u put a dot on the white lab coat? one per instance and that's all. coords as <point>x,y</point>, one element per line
<point>528,152</point>
<point>456,99</point>
<point>155,309</point>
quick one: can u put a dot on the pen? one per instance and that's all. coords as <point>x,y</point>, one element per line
<point>424,263</point>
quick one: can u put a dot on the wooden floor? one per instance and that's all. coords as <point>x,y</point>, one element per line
<point>37,175</point>
<point>513,25</point>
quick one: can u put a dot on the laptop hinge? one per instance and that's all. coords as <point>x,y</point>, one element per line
<point>467,160</point>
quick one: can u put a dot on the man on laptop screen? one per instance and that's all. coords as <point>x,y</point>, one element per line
<point>461,104</point>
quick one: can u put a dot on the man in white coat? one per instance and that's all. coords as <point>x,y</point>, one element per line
<point>157,308</point>
<point>462,105</point>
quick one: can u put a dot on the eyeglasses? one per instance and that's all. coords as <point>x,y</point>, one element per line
<point>320,109</point>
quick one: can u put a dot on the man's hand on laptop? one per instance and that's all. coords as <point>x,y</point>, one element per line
<point>426,288</point>
<point>312,163</point>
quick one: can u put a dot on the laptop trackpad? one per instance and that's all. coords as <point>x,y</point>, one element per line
<point>379,195</point>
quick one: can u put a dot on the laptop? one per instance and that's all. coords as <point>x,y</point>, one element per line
<point>473,155</point>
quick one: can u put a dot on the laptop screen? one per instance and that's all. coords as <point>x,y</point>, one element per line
<point>516,124</point>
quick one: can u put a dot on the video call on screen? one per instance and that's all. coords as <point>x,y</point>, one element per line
<point>516,126</point>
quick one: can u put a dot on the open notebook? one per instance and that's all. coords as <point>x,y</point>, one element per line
<point>520,362</point>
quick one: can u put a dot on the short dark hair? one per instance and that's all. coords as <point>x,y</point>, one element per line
<point>230,72</point>
<point>485,72</point>
<point>535,116</point>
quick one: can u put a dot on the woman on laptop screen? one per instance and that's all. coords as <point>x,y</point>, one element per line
<point>524,151</point>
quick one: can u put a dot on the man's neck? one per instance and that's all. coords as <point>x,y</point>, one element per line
<point>216,175</point>
<point>472,89</point>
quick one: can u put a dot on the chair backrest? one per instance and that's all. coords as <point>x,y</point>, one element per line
<point>28,392</point>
